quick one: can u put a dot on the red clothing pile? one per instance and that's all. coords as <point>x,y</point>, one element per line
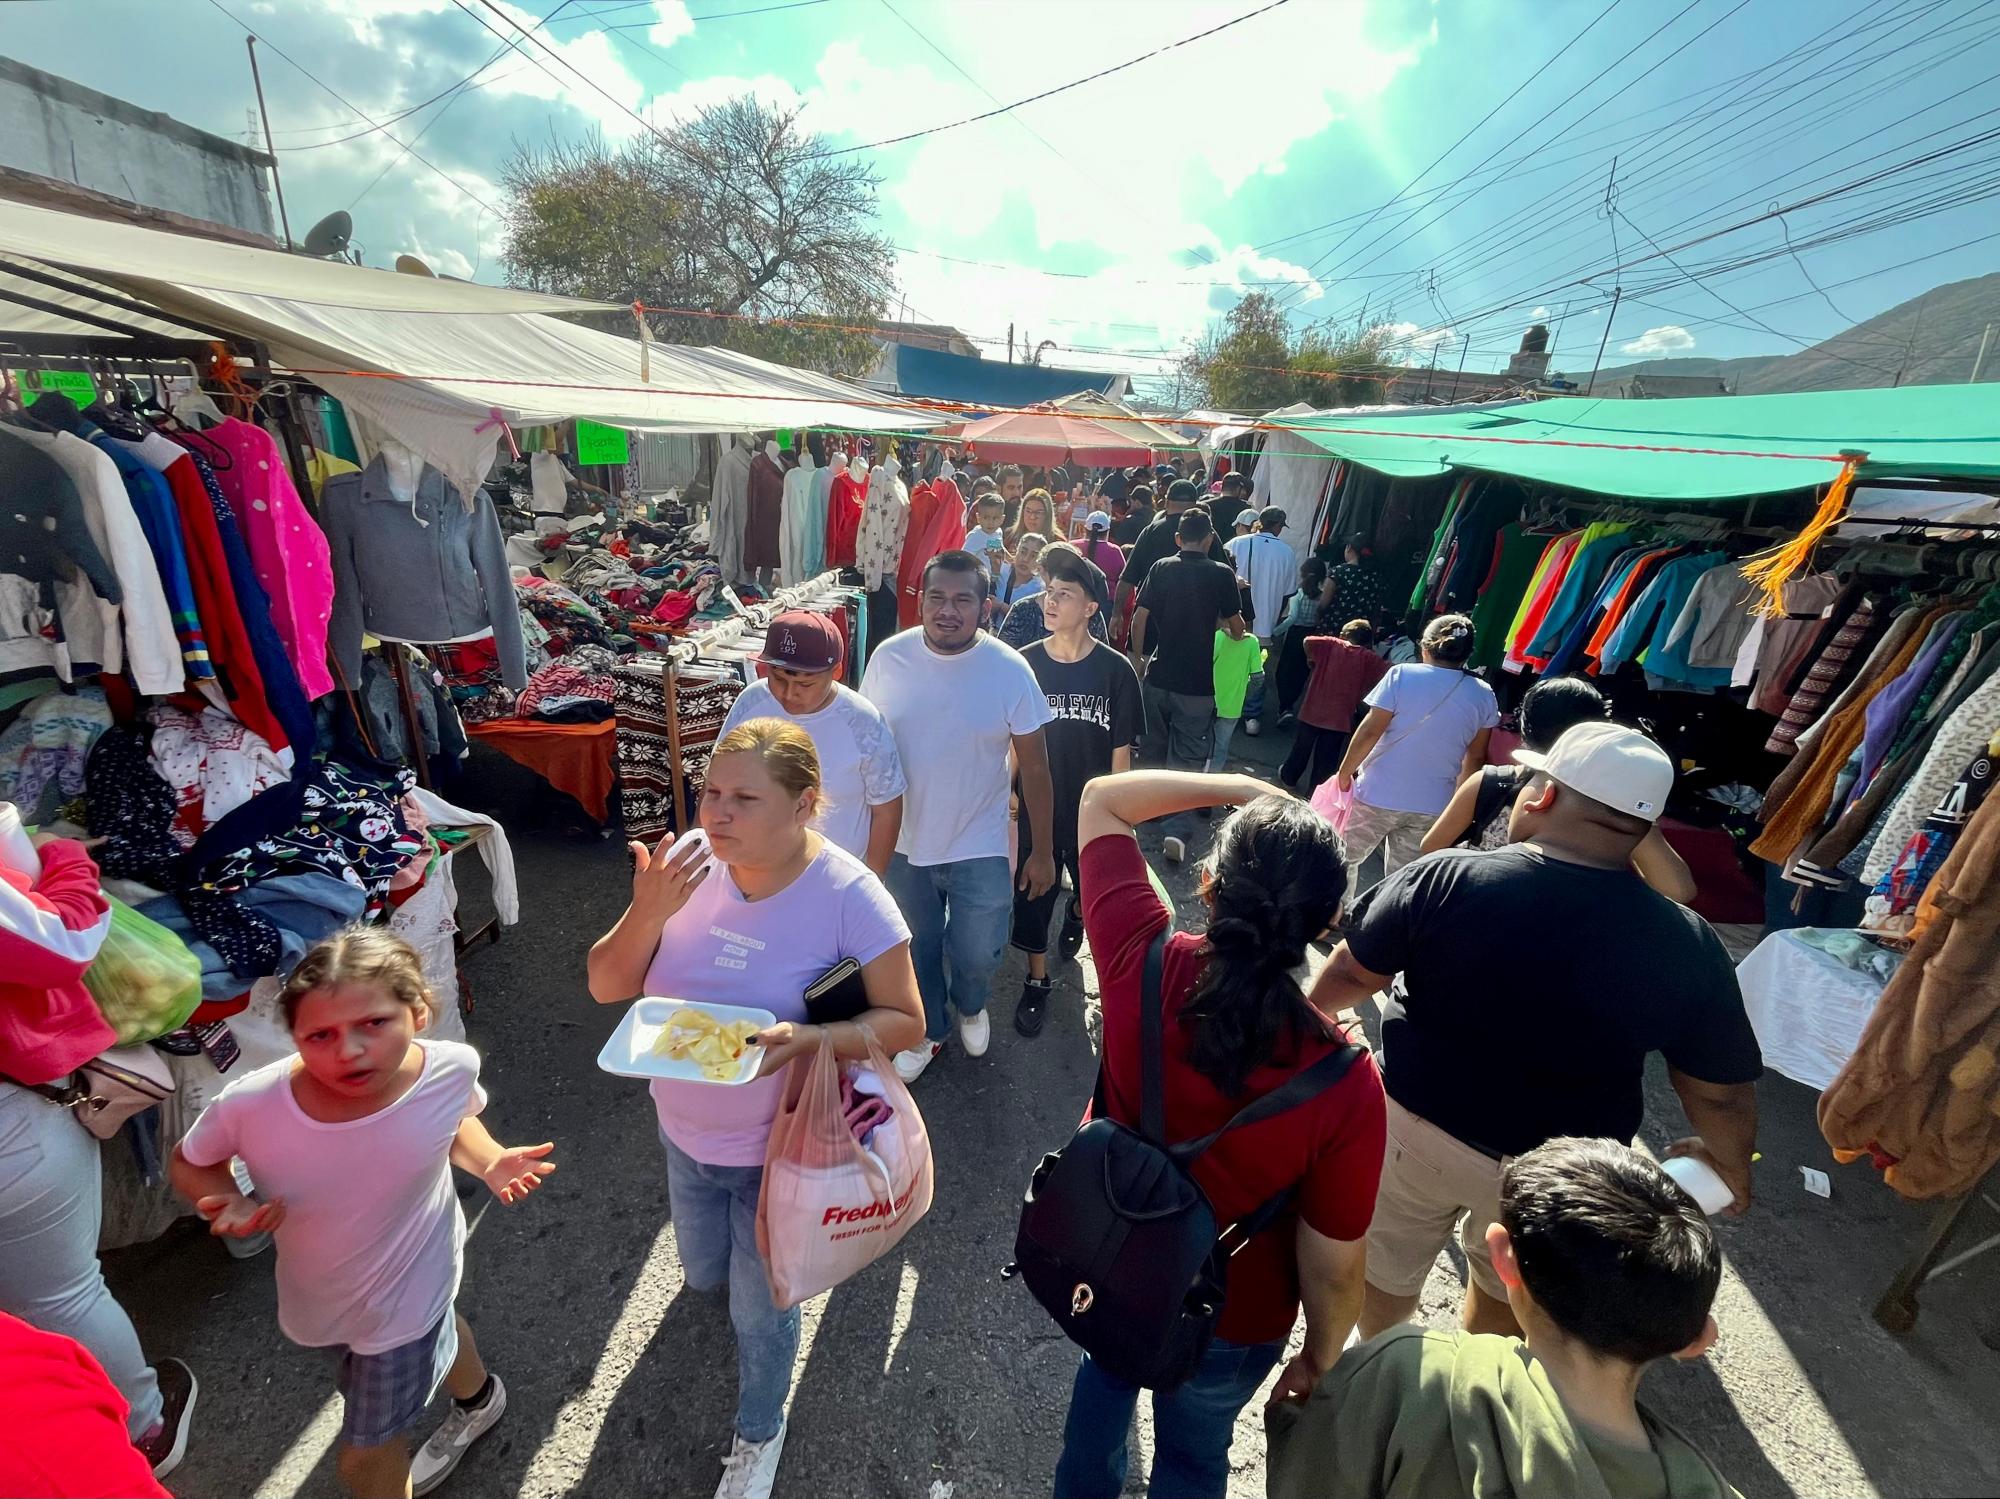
<point>1330,1149</point>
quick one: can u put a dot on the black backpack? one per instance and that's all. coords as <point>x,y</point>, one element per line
<point>1118,1242</point>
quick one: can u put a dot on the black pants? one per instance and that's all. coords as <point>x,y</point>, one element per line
<point>1293,669</point>
<point>1031,915</point>
<point>1315,755</point>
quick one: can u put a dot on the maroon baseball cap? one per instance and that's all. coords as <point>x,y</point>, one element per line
<point>799,640</point>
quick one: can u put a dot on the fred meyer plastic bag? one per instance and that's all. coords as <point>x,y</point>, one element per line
<point>829,1207</point>
<point>144,978</point>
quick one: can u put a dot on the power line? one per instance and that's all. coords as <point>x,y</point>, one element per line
<point>396,160</point>
<point>342,99</point>
<point>1061,88</point>
<point>1818,82</point>
<point>1550,62</point>
<point>1569,98</point>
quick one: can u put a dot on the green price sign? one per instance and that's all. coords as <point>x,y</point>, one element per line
<point>75,384</point>
<point>600,444</point>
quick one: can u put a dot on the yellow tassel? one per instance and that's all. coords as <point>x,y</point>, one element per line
<point>1772,570</point>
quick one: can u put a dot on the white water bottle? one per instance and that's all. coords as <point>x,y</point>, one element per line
<point>1700,1181</point>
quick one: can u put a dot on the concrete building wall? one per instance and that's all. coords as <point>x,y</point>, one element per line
<point>54,128</point>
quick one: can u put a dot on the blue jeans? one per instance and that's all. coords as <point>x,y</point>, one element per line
<point>959,916</point>
<point>1192,1426</point>
<point>51,1205</point>
<point>714,1210</point>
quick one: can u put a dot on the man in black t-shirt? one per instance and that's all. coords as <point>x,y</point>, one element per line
<point>1094,695</point>
<point>1158,541</point>
<point>1535,980</point>
<point>1182,601</point>
<point>1132,514</point>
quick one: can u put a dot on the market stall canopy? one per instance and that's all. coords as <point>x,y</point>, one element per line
<point>1715,448</point>
<point>427,361</point>
<point>152,265</point>
<point>1058,434</point>
<point>1124,419</point>
<point>975,384</point>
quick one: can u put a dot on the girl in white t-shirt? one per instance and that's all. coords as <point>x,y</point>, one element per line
<point>350,1147</point>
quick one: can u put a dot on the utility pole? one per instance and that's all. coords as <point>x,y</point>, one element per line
<point>257,78</point>
<point>1616,293</point>
<point>1464,349</point>
<point>1010,343</point>
<point>1979,360</point>
<point>1432,375</point>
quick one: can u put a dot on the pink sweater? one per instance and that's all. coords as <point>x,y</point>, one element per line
<point>50,930</point>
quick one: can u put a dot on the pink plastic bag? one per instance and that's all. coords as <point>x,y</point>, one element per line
<point>1333,803</point>
<point>830,1206</point>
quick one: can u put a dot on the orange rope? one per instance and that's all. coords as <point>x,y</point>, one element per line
<point>222,371</point>
<point>1771,570</point>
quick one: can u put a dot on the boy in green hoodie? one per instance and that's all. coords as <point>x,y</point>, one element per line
<point>1608,1266</point>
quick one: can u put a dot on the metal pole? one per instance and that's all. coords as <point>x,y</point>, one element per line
<point>1616,293</point>
<point>1464,349</point>
<point>1979,361</point>
<point>257,78</point>
<point>1432,374</point>
<point>1010,343</point>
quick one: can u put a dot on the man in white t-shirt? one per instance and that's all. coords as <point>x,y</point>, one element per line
<point>861,775</point>
<point>1271,569</point>
<point>957,701</point>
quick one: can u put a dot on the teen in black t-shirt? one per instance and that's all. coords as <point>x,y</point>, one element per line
<point>1094,694</point>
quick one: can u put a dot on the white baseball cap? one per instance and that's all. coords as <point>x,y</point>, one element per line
<point>1611,764</point>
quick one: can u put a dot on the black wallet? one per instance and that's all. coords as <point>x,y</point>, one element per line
<point>837,994</point>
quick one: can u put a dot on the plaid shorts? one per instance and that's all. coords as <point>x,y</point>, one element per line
<point>386,1394</point>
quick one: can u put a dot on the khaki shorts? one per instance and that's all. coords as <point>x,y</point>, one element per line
<point>1431,1182</point>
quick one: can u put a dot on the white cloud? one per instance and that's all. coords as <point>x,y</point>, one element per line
<point>1539,313</point>
<point>1669,338</point>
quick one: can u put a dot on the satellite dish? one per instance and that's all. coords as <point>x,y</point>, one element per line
<point>410,265</point>
<point>331,234</point>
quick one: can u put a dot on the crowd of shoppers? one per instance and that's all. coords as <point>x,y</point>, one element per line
<point>912,829</point>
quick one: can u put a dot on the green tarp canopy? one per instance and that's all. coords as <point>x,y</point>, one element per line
<point>1707,448</point>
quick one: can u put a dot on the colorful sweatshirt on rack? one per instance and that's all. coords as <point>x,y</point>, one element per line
<point>153,502</point>
<point>288,551</point>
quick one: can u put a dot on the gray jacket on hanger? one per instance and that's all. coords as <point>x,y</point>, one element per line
<point>429,570</point>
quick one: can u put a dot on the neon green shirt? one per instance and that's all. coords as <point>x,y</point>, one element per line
<point>1236,662</point>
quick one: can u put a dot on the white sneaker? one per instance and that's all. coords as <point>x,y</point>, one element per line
<point>975,1033</point>
<point>436,1459</point>
<point>910,1064</point>
<point>752,1467</point>
<point>1174,849</point>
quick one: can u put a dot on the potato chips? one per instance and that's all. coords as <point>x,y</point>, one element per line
<point>713,1045</point>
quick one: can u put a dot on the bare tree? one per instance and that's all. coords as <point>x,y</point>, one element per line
<point>733,219</point>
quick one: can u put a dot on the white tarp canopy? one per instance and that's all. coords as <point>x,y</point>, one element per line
<point>422,360</point>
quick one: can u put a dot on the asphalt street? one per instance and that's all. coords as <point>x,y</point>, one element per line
<point>928,1377</point>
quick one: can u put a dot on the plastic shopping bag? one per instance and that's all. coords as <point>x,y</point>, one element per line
<point>144,978</point>
<point>1334,803</point>
<point>830,1206</point>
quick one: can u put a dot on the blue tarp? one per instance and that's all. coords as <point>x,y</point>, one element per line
<point>988,383</point>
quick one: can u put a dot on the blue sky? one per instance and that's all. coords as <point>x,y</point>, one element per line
<point>1338,152</point>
